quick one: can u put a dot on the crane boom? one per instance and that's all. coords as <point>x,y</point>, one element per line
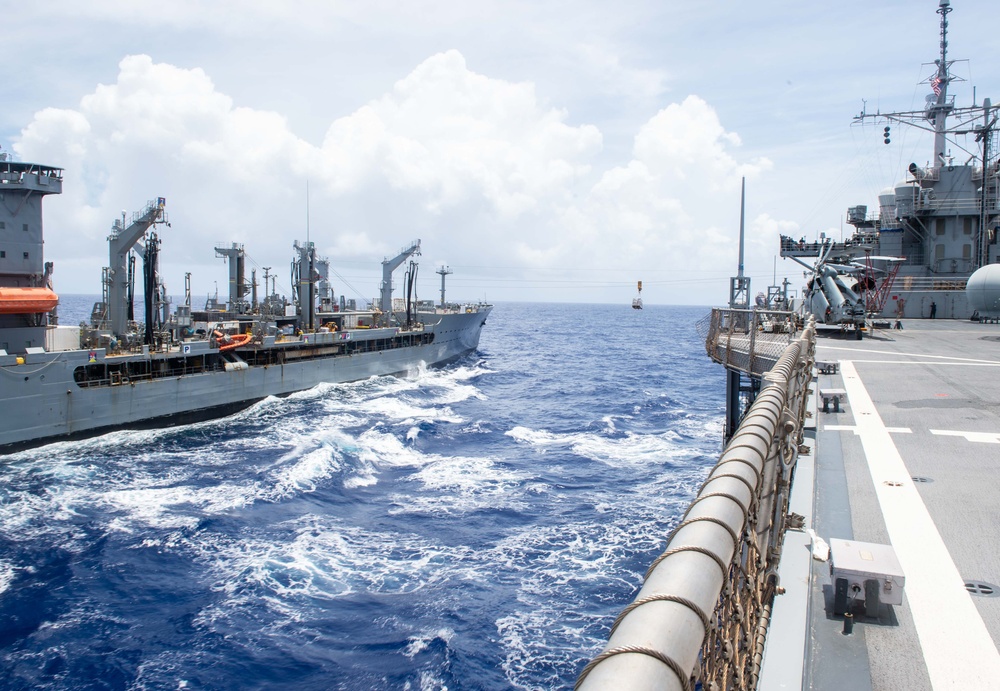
<point>388,266</point>
<point>122,239</point>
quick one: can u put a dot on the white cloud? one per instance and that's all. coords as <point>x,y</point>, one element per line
<point>517,137</point>
<point>687,137</point>
<point>481,168</point>
<point>451,135</point>
<point>671,213</point>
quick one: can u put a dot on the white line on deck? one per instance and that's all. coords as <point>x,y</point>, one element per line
<point>936,363</point>
<point>981,437</point>
<point>852,428</point>
<point>936,358</point>
<point>957,647</point>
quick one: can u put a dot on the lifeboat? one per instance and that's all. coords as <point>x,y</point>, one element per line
<point>27,300</point>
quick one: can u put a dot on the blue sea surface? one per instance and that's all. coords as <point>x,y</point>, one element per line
<point>477,526</point>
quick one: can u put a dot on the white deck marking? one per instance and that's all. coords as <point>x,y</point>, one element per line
<point>936,363</point>
<point>956,645</point>
<point>852,428</point>
<point>920,355</point>
<point>981,437</point>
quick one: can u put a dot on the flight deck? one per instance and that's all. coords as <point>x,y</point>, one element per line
<point>909,461</point>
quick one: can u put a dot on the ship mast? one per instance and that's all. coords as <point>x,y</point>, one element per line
<point>937,113</point>
<point>940,106</point>
<point>442,272</point>
<point>946,121</point>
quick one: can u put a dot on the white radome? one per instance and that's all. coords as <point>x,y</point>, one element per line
<point>983,290</point>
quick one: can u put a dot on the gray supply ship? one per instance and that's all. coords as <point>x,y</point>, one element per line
<point>932,231</point>
<point>179,366</point>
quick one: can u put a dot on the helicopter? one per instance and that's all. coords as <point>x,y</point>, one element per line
<point>845,291</point>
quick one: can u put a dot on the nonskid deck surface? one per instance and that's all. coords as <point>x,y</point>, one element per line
<point>912,460</point>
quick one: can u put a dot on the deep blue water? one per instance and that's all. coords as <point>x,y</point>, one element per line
<point>473,527</point>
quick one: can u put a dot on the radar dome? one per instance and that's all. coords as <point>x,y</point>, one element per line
<point>983,290</point>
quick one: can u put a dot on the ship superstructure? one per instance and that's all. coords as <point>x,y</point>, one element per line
<point>941,220</point>
<point>176,366</point>
<point>26,297</point>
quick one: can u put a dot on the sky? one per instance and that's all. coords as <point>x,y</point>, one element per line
<point>543,151</point>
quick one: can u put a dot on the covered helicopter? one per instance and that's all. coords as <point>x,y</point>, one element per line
<point>843,289</point>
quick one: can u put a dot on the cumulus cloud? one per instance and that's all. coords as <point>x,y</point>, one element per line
<point>687,138</point>
<point>482,169</point>
<point>451,134</point>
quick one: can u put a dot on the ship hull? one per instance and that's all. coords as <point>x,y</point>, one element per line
<point>43,401</point>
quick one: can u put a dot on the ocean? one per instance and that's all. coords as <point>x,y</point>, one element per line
<point>477,526</point>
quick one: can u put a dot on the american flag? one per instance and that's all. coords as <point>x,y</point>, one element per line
<point>936,85</point>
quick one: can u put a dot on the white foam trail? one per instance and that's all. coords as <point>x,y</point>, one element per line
<point>322,560</point>
<point>429,681</point>
<point>399,409</point>
<point>7,574</point>
<point>419,643</point>
<point>460,484</point>
<point>144,439</point>
<point>26,516</point>
<point>377,396</point>
<point>534,437</point>
<point>305,475</point>
<point>167,489</point>
<point>174,507</point>
<point>630,449</point>
<point>377,451</point>
<point>384,450</point>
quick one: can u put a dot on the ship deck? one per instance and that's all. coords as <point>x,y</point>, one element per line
<point>911,460</point>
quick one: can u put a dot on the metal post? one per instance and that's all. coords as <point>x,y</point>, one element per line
<point>443,271</point>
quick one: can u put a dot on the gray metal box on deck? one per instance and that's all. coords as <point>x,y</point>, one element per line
<point>858,562</point>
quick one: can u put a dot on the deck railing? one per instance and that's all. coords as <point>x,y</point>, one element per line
<point>914,284</point>
<point>702,613</point>
<point>750,341</point>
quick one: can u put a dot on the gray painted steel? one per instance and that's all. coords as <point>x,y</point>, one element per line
<point>940,220</point>
<point>50,388</point>
<point>42,401</point>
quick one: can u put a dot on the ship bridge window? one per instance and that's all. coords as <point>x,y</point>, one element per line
<point>2,225</point>
<point>24,227</point>
<point>939,226</point>
<point>968,223</point>
<point>3,255</point>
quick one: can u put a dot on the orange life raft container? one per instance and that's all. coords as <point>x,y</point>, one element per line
<point>27,300</point>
